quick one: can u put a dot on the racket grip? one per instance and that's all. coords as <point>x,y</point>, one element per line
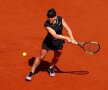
<point>75,43</point>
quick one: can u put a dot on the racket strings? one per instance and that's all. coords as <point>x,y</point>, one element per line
<point>91,47</point>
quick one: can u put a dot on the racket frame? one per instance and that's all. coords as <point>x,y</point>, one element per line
<point>82,44</point>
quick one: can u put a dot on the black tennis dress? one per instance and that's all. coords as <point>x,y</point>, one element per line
<point>51,43</point>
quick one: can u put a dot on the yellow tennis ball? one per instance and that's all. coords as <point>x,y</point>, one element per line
<point>24,54</point>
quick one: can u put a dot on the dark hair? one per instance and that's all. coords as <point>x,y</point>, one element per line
<point>51,13</point>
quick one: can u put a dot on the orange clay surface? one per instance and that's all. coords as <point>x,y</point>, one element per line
<point>22,29</point>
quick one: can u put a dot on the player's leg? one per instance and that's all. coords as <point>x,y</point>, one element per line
<point>36,63</point>
<point>57,54</point>
<point>38,59</point>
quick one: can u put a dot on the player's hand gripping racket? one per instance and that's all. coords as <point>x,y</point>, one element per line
<point>89,47</point>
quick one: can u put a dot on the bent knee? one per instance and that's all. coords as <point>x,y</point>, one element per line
<point>43,54</point>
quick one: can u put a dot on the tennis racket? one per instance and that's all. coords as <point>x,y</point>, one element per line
<point>89,47</point>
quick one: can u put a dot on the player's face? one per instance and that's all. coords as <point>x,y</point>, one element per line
<point>52,20</point>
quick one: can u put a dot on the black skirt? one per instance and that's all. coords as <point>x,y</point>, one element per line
<point>50,44</point>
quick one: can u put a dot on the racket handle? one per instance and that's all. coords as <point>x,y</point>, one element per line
<point>75,43</point>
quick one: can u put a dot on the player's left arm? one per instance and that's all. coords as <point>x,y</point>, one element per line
<point>68,30</point>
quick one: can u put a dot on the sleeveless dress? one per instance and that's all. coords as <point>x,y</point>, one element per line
<point>51,43</point>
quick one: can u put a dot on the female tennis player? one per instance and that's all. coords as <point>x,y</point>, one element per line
<point>54,40</point>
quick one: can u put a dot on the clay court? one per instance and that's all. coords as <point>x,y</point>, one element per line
<point>22,29</point>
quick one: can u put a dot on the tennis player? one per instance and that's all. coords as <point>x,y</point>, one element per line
<point>54,40</point>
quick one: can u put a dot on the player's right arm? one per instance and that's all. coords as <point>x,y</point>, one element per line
<point>57,36</point>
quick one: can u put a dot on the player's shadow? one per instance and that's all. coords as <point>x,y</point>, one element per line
<point>44,65</point>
